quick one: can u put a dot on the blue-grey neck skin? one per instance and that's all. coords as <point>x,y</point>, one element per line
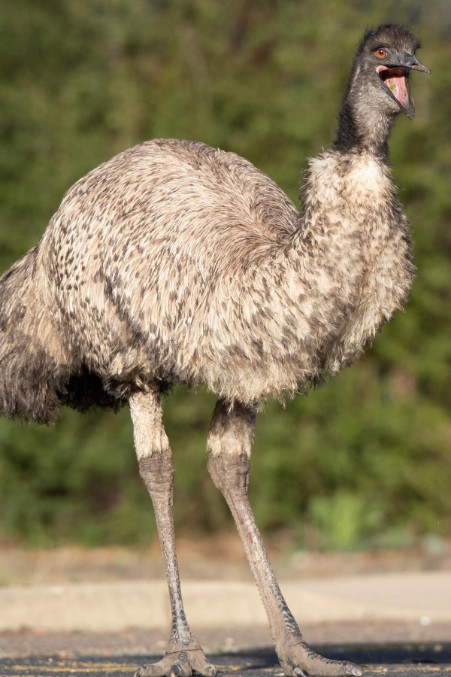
<point>362,129</point>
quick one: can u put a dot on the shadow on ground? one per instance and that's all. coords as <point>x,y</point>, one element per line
<point>406,659</point>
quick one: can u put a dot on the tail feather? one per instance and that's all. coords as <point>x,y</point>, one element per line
<point>33,368</point>
<point>38,375</point>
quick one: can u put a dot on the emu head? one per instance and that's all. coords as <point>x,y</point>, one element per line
<point>383,62</point>
<point>378,88</point>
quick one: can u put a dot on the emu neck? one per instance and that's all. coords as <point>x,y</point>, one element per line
<point>364,123</point>
<point>363,130</point>
<point>341,194</point>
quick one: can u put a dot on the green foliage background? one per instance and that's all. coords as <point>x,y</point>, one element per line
<point>364,461</point>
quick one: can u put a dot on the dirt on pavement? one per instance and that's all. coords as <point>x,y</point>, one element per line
<point>216,557</point>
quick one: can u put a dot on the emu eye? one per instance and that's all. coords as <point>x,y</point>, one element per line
<point>381,53</point>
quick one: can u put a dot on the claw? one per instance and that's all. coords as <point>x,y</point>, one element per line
<point>356,671</point>
<point>181,661</point>
<point>300,660</point>
<point>141,670</point>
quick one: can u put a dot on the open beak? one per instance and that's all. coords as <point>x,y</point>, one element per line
<point>395,80</point>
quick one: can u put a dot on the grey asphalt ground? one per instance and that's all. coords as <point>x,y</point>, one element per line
<point>405,660</point>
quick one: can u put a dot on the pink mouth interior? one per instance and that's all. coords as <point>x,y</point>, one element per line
<point>395,80</point>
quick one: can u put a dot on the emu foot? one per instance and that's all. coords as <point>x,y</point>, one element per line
<point>299,660</point>
<point>182,662</point>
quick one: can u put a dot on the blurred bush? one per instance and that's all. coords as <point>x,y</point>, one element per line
<point>364,461</point>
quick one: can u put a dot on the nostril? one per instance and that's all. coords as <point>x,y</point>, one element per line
<point>410,60</point>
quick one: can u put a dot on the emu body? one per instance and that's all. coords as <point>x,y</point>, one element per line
<point>178,262</point>
<point>157,267</point>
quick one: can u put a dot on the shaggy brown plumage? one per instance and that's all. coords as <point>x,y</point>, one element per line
<point>177,262</point>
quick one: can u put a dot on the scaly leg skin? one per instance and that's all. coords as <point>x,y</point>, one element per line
<point>229,448</point>
<point>184,655</point>
<point>179,661</point>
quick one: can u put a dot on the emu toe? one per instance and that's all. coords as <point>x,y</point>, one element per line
<point>183,663</point>
<point>299,660</point>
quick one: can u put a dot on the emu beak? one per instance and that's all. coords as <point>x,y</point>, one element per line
<point>395,80</point>
<point>414,64</point>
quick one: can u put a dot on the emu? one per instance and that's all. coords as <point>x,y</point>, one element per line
<point>178,262</point>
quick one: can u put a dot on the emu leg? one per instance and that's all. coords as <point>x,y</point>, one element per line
<point>229,446</point>
<point>184,656</point>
